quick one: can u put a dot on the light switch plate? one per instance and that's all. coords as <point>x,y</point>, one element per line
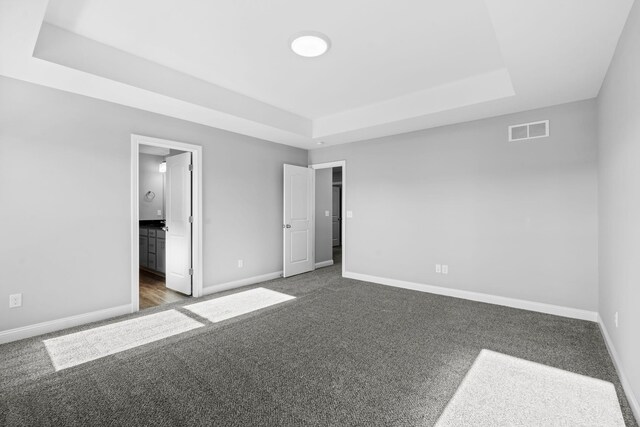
<point>159,212</point>
<point>15,300</point>
<point>349,214</point>
<point>240,263</point>
<point>445,269</point>
<point>326,213</point>
<point>438,268</point>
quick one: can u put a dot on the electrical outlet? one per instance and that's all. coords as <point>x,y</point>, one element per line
<point>240,263</point>
<point>438,268</point>
<point>15,300</point>
<point>445,269</point>
<point>616,319</point>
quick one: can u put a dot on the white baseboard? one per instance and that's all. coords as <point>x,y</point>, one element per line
<point>65,322</point>
<point>324,263</point>
<point>557,310</point>
<point>242,282</point>
<point>633,402</point>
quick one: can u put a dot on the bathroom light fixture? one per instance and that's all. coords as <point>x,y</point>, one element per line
<point>310,44</point>
<point>163,167</point>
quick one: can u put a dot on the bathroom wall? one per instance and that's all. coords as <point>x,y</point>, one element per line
<point>151,186</point>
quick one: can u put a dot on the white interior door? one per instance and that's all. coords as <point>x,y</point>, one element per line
<point>298,225</point>
<point>178,223</point>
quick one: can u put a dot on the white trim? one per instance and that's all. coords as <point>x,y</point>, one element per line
<point>574,313</point>
<point>343,225</point>
<point>64,323</point>
<point>135,226</point>
<point>324,263</point>
<point>633,401</point>
<point>196,152</point>
<point>313,220</point>
<point>241,282</point>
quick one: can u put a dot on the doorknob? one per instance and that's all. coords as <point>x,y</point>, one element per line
<point>286,226</point>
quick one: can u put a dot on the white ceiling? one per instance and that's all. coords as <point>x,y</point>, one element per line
<point>380,50</point>
<point>393,66</point>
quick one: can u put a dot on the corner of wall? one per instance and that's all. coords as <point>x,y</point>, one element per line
<point>626,385</point>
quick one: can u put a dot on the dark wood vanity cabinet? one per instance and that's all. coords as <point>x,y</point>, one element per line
<point>152,249</point>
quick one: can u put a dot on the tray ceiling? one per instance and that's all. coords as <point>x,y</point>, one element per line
<point>393,67</point>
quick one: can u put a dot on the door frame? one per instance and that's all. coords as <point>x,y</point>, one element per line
<point>196,203</point>
<point>343,213</point>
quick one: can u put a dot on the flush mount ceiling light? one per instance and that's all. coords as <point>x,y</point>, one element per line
<point>310,44</point>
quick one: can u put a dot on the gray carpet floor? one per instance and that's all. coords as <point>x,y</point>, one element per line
<point>344,352</point>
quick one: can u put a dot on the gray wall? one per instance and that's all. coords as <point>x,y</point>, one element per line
<point>324,249</point>
<point>517,220</point>
<point>151,180</point>
<point>65,201</point>
<point>619,166</point>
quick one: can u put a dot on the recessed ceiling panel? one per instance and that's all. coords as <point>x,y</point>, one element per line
<point>379,50</point>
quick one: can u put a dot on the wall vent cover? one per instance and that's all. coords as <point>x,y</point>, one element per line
<point>526,131</point>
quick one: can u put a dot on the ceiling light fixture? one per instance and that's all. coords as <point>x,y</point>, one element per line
<point>310,44</point>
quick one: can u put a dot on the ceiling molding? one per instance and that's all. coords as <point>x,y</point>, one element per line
<point>473,90</point>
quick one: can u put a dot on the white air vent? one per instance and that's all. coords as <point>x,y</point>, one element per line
<point>526,131</point>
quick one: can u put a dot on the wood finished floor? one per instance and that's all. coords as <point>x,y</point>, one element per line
<point>153,291</point>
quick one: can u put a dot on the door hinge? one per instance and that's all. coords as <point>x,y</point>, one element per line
<point>191,219</point>
<point>191,272</point>
<point>190,168</point>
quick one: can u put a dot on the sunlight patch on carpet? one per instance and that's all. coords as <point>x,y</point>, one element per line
<point>223,308</point>
<point>91,344</point>
<point>501,390</point>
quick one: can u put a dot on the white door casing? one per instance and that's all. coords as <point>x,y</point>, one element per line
<point>178,223</point>
<point>298,222</point>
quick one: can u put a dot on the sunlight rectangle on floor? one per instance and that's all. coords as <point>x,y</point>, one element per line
<point>502,390</point>
<point>91,344</point>
<point>219,309</point>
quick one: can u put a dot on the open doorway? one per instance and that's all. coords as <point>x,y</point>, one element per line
<point>336,214</point>
<point>154,177</point>
<point>329,214</point>
<point>166,227</point>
